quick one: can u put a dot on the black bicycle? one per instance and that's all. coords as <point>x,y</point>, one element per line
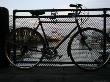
<point>27,47</point>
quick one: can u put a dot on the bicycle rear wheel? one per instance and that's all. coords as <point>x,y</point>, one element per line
<point>24,48</point>
<point>89,53</point>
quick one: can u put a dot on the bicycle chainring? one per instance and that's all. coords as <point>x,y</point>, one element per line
<point>50,53</point>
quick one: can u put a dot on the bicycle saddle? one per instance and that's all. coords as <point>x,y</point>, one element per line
<point>37,13</point>
<point>77,5</point>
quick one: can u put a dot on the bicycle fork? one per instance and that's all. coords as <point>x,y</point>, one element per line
<point>83,37</point>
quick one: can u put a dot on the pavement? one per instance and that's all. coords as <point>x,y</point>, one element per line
<point>53,74</point>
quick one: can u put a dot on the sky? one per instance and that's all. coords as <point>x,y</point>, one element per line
<point>49,4</point>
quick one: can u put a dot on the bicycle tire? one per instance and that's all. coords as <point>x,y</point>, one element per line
<point>24,48</point>
<point>82,56</point>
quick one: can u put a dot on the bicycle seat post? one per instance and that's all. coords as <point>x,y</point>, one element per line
<point>44,34</point>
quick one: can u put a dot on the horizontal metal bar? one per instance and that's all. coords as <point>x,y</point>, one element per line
<point>70,63</point>
<point>61,16</point>
<point>52,10</point>
<point>58,22</point>
<point>44,62</point>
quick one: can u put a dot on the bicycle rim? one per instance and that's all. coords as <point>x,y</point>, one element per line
<point>24,48</point>
<point>82,56</point>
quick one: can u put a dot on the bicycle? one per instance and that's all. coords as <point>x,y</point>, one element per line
<point>26,41</point>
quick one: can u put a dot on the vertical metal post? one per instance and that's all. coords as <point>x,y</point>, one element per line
<point>14,13</point>
<point>14,37</point>
<point>104,29</point>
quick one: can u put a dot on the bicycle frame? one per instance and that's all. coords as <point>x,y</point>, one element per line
<point>67,36</point>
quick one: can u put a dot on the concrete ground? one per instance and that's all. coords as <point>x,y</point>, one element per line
<point>54,74</point>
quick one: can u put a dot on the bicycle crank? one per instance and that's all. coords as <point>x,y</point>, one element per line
<point>50,53</point>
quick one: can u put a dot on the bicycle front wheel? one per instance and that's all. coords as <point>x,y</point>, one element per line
<point>24,48</point>
<point>88,51</point>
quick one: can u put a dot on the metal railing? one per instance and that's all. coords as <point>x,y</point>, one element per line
<point>97,18</point>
